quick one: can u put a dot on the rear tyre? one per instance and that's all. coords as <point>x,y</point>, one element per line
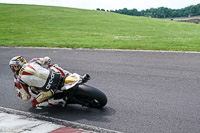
<point>90,97</point>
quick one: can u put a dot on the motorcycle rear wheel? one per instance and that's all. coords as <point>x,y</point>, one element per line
<point>90,97</point>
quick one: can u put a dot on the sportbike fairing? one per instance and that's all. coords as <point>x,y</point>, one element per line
<point>71,81</point>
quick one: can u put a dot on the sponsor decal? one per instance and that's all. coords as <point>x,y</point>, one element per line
<point>50,81</point>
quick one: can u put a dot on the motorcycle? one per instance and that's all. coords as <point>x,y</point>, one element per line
<point>77,92</point>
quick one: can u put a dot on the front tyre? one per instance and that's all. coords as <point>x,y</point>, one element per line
<point>90,97</point>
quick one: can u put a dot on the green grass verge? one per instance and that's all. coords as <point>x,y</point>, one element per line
<point>45,26</point>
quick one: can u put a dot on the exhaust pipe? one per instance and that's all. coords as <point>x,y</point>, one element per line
<point>85,78</point>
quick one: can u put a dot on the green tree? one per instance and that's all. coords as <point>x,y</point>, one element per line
<point>162,12</point>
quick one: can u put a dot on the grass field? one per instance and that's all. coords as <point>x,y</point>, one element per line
<point>45,26</point>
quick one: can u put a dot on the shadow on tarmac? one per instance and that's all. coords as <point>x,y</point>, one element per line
<point>76,112</point>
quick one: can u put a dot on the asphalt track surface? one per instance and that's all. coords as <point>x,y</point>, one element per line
<point>148,92</point>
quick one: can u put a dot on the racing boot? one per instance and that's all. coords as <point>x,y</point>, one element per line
<point>51,102</point>
<point>61,102</point>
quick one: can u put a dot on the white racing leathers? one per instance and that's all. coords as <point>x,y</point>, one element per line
<point>35,76</point>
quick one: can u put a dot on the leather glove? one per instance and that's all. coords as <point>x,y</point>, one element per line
<point>47,60</point>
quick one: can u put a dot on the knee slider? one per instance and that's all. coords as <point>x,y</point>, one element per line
<point>42,96</point>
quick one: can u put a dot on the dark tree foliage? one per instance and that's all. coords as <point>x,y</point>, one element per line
<point>161,12</point>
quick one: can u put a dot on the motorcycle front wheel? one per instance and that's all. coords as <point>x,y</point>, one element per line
<point>90,97</point>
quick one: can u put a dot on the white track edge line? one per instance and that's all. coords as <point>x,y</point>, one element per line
<point>117,50</point>
<point>58,121</point>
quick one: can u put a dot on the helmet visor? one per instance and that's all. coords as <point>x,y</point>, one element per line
<point>22,60</point>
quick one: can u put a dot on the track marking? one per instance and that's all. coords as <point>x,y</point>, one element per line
<point>66,123</point>
<point>117,50</point>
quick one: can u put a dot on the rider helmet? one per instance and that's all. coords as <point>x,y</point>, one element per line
<point>16,63</point>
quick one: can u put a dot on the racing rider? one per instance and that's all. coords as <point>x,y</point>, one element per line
<point>34,76</point>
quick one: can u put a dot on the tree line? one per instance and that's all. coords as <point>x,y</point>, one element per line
<point>161,12</point>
